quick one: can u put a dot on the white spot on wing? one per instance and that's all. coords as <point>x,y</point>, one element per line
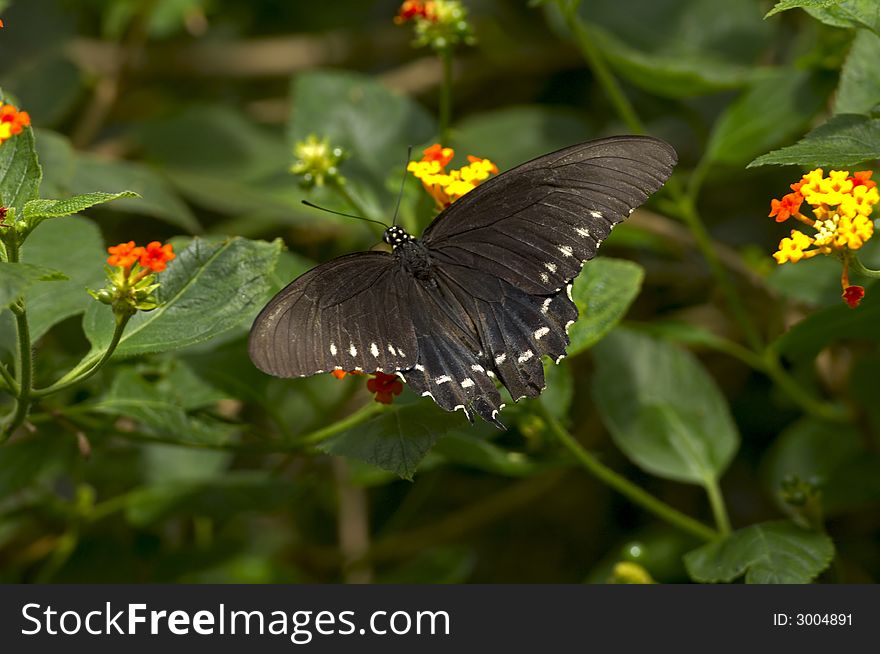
<point>501,358</point>
<point>420,367</point>
<point>358,369</point>
<point>428,394</point>
<point>568,325</point>
<point>332,349</point>
<point>568,291</point>
<point>467,382</point>
<point>545,277</point>
<point>477,368</point>
<point>525,356</point>
<point>392,350</point>
<point>582,232</point>
<point>541,333</point>
<point>491,374</point>
<point>595,214</point>
<point>559,358</point>
<point>459,406</point>
<point>352,350</point>
<point>442,379</point>
<point>401,352</point>
<point>630,212</point>
<point>374,350</point>
<point>566,250</point>
<point>550,266</point>
<point>545,306</point>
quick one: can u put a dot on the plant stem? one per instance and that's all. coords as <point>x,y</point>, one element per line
<point>361,415</point>
<point>805,400</point>
<point>716,501</point>
<point>445,96</point>
<point>623,485</point>
<point>587,44</point>
<point>860,269</point>
<point>74,377</point>
<point>8,379</point>
<point>25,360</point>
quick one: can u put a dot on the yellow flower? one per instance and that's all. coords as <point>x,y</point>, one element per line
<point>792,249</point>
<point>446,187</point>
<point>317,162</point>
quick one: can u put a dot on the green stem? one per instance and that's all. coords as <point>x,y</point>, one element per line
<point>445,96</point>
<point>805,400</point>
<point>859,268</point>
<point>716,501</point>
<point>25,360</point>
<point>8,379</point>
<point>587,44</point>
<point>623,485</point>
<point>74,377</point>
<point>361,415</point>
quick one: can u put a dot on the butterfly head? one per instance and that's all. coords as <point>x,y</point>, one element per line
<point>395,235</point>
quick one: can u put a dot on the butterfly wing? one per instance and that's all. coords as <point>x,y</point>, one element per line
<point>535,225</point>
<point>509,250</point>
<point>350,313</point>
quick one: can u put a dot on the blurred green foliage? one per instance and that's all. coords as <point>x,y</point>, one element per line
<point>730,382</point>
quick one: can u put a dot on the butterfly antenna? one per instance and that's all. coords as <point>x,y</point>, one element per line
<point>402,184</point>
<point>339,213</point>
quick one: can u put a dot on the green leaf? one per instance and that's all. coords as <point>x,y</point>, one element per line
<point>662,408</point>
<point>831,456</point>
<point>845,140</point>
<point>208,289</point>
<point>20,172</point>
<point>859,89</point>
<point>29,462</point>
<point>75,247</point>
<point>849,14</point>
<point>159,412</point>
<point>16,277</point>
<point>767,553</point>
<point>785,5</point>
<point>775,107</point>
<point>834,324</point>
<point>36,211</point>
<point>57,158</point>
<point>602,293</point>
<point>157,197</point>
<point>396,440</point>
<point>678,48</point>
<point>465,448</point>
<point>559,391</point>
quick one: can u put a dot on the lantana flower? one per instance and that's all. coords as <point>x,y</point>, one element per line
<point>441,24</point>
<point>317,162</point>
<point>841,205</point>
<point>384,386</point>
<point>131,274</point>
<point>12,122</point>
<point>446,187</point>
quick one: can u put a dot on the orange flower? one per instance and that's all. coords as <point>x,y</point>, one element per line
<point>12,121</point>
<point>852,295</point>
<point>439,154</point>
<point>123,255</point>
<point>412,9</point>
<point>155,256</point>
<point>863,178</point>
<point>385,387</point>
<point>787,207</point>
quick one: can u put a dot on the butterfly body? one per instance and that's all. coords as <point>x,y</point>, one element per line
<point>481,297</point>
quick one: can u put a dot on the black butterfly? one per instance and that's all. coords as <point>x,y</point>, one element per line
<point>483,295</point>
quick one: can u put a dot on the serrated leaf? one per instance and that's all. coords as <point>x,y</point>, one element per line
<point>36,211</point>
<point>845,140</point>
<point>157,412</point>
<point>75,247</point>
<point>859,89</point>
<point>767,553</point>
<point>208,289</point>
<point>662,408</point>
<point>774,107</point>
<point>20,172</point>
<point>602,293</point>
<point>849,14</point>
<point>785,5</point>
<point>396,440</point>
<point>16,277</point>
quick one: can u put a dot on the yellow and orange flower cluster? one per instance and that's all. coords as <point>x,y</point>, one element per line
<point>841,205</point>
<point>154,256</point>
<point>12,121</point>
<point>446,187</point>
<point>441,24</point>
